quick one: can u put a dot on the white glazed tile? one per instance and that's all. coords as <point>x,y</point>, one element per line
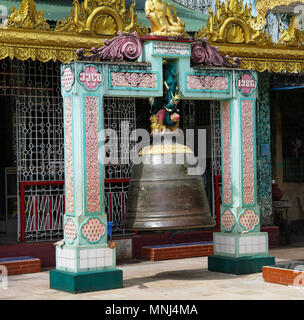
<point>59,252</point>
<point>255,240</point>
<point>242,249</point>
<point>218,239</point>
<point>242,241</point>
<point>100,253</point>
<point>262,248</point>
<point>63,262</point>
<point>108,252</point>
<point>58,261</point>
<point>92,263</point>
<point>99,262</point>
<point>92,253</point>
<point>83,263</point>
<point>83,254</point>
<point>108,261</point>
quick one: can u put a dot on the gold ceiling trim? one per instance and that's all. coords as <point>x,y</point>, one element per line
<point>26,33</point>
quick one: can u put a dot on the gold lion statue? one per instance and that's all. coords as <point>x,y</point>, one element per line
<point>163,19</point>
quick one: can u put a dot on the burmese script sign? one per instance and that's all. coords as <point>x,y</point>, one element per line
<point>171,48</point>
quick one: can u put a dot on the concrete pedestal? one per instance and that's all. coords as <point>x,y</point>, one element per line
<point>241,265</point>
<point>86,281</point>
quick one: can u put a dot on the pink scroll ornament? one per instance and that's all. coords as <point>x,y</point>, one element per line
<point>125,46</point>
<point>203,53</point>
<point>91,78</point>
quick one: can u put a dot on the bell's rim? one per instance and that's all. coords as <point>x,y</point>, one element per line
<point>174,148</point>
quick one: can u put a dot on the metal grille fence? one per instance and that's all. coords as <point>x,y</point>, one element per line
<point>216,158</point>
<point>120,116</point>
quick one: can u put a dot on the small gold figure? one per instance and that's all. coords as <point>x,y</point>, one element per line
<point>163,19</point>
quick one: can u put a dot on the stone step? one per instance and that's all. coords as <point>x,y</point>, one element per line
<point>177,251</point>
<point>21,265</point>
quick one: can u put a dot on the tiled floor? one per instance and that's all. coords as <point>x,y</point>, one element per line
<point>180,279</point>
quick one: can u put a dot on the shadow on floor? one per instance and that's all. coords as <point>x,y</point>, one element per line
<point>188,275</point>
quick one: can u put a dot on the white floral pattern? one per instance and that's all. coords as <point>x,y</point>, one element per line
<point>134,80</point>
<point>207,83</point>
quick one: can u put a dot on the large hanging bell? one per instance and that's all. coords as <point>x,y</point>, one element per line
<point>166,191</point>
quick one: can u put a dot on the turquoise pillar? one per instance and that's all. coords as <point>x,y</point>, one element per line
<point>85,262</point>
<point>240,247</point>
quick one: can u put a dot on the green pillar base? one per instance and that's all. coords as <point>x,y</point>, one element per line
<point>86,281</point>
<point>241,265</point>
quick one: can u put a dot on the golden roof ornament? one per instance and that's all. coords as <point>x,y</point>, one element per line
<point>232,23</point>
<point>27,17</point>
<point>101,17</point>
<point>293,36</point>
<point>164,20</point>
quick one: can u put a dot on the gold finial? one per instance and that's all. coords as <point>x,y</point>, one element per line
<point>163,19</point>
<point>27,17</point>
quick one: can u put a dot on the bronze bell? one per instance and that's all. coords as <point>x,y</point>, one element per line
<point>162,195</point>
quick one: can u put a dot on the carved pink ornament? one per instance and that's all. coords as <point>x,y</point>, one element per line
<point>207,83</point>
<point>134,80</point>
<point>246,84</point>
<point>69,183</point>
<point>248,152</point>
<point>123,47</point>
<point>249,219</point>
<point>226,151</point>
<point>92,154</point>
<point>228,220</point>
<point>203,53</point>
<point>91,78</point>
<point>70,231</point>
<point>67,79</point>
<point>93,230</point>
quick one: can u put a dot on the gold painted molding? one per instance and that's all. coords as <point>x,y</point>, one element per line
<point>233,30</point>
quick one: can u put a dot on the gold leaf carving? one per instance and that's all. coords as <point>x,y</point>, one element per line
<point>102,17</point>
<point>27,17</point>
<point>232,23</point>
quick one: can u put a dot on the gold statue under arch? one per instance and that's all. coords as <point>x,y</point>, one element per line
<point>163,19</point>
